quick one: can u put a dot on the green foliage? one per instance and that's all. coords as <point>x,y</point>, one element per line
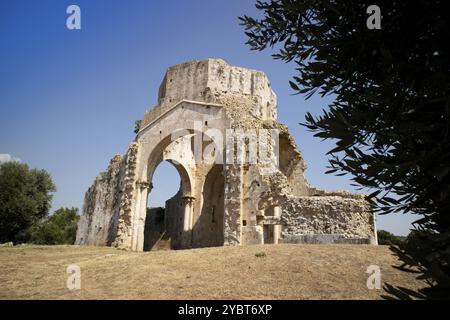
<point>25,198</point>
<point>391,114</point>
<point>59,228</point>
<point>137,126</point>
<point>387,238</point>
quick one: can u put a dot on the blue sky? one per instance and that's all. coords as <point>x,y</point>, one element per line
<point>69,98</point>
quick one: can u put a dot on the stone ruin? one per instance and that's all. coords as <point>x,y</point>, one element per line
<point>232,200</point>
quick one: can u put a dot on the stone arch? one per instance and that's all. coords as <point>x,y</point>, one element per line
<point>183,216</point>
<point>162,225</point>
<point>181,224</point>
<point>157,156</point>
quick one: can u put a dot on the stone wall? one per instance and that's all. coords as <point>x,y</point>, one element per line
<point>127,198</point>
<point>98,222</point>
<point>106,209</point>
<point>157,236</point>
<point>327,219</point>
<point>204,81</point>
<point>232,204</point>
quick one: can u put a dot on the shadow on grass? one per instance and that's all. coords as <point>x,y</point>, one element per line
<point>432,292</point>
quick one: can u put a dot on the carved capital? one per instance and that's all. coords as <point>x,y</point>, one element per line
<point>187,200</point>
<point>270,220</point>
<point>144,185</point>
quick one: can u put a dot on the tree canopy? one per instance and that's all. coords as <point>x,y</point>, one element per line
<point>390,116</point>
<point>388,238</point>
<point>25,198</point>
<point>59,228</point>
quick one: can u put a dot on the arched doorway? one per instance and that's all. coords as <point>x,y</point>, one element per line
<point>167,224</point>
<point>162,208</point>
<point>193,217</point>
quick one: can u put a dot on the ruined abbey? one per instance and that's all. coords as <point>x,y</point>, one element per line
<point>242,175</point>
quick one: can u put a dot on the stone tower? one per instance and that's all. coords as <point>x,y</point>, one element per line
<point>242,175</point>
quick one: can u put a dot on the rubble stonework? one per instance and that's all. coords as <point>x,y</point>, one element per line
<point>345,217</point>
<point>101,206</point>
<point>230,201</point>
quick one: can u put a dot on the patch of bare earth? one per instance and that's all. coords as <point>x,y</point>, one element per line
<point>252,272</point>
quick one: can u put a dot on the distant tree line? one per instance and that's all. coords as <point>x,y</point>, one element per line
<point>25,201</point>
<point>387,238</point>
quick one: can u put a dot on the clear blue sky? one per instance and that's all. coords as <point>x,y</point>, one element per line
<point>68,99</point>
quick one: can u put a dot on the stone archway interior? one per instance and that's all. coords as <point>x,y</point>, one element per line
<point>162,213</point>
<point>208,229</point>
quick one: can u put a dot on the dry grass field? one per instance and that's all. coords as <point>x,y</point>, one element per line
<point>252,272</point>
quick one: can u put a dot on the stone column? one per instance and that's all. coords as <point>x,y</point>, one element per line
<point>144,188</point>
<point>374,238</point>
<point>276,227</point>
<point>187,203</point>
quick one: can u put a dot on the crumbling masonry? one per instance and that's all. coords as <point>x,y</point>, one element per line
<point>231,200</point>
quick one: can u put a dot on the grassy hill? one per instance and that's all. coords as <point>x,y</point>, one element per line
<point>252,272</point>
